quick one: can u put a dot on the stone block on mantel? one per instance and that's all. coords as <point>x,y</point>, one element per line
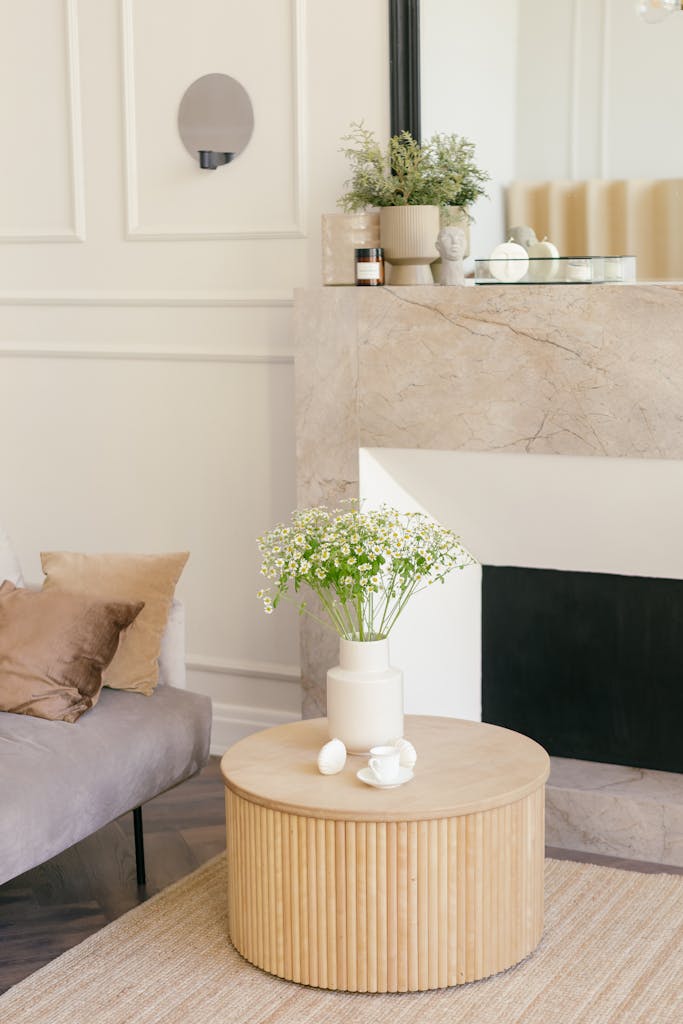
<point>552,369</point>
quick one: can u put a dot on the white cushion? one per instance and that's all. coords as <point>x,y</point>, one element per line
<point>172,654</point>
<point>9,563</point>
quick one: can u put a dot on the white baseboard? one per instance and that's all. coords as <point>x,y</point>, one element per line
<point>231,722</point>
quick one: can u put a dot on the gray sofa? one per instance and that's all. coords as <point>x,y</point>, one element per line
<point>60,782</point>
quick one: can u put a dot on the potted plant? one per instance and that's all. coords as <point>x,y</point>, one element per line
<point>413,184</point>
<point>364,567</point>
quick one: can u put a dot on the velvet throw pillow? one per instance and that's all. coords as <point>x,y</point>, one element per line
<point>53,649</point>
<point>148,578</point>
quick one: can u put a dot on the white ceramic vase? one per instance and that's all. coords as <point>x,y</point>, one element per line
<point>364,696</point>
<point>408,236</point>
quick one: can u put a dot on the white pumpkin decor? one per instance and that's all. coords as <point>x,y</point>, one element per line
<point>547,252</point>
<point>408,753</point>
<point>332,758</point>
<point>509,262</point>
<point>543,250</point>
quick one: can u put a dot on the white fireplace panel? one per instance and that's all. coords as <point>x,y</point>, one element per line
<point>609,515</point>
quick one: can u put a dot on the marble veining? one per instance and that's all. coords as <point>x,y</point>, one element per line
<point>580,370</point>
<point>564,370</point>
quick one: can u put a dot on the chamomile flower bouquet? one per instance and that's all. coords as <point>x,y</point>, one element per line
<point>364,566</point>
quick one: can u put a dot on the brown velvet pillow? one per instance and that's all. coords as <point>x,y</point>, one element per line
<point>54,647</point>
<point>122,577</point>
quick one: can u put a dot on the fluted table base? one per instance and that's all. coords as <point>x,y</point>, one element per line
<point>385,906</point>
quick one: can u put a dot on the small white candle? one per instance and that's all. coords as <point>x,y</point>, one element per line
<point>579,271</point>
<point>614,270</point>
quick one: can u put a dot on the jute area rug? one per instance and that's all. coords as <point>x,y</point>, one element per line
<point>612,953</point>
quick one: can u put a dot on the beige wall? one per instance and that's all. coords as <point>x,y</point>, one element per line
<point>146,353</point>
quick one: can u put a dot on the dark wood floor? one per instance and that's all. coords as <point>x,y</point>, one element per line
<point>53,907</point>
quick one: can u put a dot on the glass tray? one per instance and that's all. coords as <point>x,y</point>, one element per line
<point>563,270</point>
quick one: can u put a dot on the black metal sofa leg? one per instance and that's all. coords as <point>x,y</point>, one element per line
<point>139,846</point>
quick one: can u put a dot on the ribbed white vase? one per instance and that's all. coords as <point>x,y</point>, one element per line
<point>364,696</point>
<point>408,236</point>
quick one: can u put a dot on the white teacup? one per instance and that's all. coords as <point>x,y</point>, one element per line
<point>385,763</point>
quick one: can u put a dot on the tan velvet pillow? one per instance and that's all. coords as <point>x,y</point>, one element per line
<point>53,649</point>
<point>148,578</point>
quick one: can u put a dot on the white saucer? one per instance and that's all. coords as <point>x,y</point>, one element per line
<point>366,775</point>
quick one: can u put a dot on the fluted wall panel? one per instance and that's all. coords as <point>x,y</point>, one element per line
<point>602,217</point>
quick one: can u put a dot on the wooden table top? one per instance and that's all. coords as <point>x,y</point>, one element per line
<point>462,767</point>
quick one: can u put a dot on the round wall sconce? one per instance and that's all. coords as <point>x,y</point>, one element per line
<point>215,120</point>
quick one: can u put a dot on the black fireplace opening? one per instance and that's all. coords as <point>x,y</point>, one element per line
<point>588,664</point>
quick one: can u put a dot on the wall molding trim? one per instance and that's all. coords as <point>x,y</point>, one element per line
<point>75,130</point>
<point>135,229</point>
<point>245,667</point>
<point>246,299</point>
<point>76,124</point>
<point>21,350</point>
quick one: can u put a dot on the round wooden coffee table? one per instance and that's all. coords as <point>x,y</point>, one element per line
<point>337,884</point>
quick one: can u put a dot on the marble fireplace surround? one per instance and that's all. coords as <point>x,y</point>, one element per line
<point>589,371</point>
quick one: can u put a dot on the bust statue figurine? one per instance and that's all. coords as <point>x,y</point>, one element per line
<point>451,244</point>
<point>523,235</point>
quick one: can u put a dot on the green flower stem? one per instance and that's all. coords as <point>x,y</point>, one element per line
<point>390,590</point>
<point>403,602</point>
<point>331,610</point>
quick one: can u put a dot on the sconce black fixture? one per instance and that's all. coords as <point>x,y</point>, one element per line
<point>209,160</point>
<point>215,120</point>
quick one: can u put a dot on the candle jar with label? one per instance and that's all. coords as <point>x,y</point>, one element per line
<point>369,267</point>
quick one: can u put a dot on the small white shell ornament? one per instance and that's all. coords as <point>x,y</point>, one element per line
<point>332,758</point>
<point>408,753</point>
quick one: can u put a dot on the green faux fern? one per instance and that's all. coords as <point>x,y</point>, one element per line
<point>440,172</point>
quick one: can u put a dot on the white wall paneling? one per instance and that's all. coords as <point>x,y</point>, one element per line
<point>153,455</point>
<point>597,92</point>
<point>468,72</point>
<point>244,328</point>
<point>232,722</point>
<point>42,197</point>
<point>262,694</point>
<point>146,390</point>
<point>259,45</point>
<point>250,299</point>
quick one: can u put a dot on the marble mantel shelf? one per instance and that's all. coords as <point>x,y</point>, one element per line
<point>581,370</point>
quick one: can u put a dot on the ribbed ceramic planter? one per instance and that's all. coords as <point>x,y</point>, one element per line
<point>364,696</point>
<point>408,236</point>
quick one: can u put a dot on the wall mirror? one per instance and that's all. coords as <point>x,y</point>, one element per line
<point>215,116</point>
<point>568,91</point>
